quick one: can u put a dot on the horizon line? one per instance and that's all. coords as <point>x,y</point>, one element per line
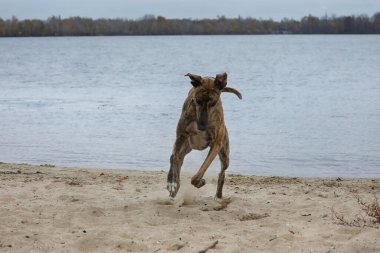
<point>154,16</point>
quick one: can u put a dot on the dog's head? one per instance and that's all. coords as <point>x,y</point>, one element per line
<point>206,95</point>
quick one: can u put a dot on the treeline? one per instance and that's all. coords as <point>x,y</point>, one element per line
<point>151,25</point>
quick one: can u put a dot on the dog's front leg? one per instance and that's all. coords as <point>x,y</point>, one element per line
<point>197,180</point>
<point>180,149</point>
<point>224,155</point>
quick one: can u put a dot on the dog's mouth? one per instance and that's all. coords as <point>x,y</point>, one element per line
<point>201,126</point>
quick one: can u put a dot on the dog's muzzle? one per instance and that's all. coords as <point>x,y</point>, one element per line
<point>202,127</point>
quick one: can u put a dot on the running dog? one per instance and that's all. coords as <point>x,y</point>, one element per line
<point>201,125</point>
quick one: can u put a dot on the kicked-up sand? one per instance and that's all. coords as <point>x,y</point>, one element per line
<point>52,209</point>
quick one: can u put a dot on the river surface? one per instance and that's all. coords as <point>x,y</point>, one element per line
<point>311,104</point>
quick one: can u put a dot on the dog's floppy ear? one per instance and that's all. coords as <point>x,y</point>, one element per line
<point>232,90</point>
<point>195,79</point>
<point>221,81</point>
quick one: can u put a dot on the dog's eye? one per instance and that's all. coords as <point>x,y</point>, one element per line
<point>212,103</point>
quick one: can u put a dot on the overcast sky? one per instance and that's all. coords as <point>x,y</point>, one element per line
<point>276,9</point>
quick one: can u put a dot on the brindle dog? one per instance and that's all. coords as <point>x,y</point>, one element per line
<point>201,125</point>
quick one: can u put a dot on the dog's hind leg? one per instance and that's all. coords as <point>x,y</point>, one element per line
<point>181,148</point>
<point>224,156</point>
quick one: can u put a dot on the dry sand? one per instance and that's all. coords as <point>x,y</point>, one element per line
<point>51,209</point>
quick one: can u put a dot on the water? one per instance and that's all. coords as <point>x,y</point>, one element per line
<point>310,104</point>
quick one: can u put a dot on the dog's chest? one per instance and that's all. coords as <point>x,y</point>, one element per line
<point>199,141</point>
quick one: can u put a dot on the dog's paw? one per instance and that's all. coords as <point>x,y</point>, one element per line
<point>173,188</point>
<point>198,182</point>
<point>217,199</point>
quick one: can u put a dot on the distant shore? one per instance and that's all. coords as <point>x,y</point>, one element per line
<point>55,209</point>
<point>152,25</point>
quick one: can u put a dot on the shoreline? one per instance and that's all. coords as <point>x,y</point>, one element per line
<point>186,171</point>
<point>59,209</point>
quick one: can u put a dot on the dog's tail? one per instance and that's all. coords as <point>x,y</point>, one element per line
<point>232,90</point>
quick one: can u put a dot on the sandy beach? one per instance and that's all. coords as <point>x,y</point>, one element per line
<point>53,209</point>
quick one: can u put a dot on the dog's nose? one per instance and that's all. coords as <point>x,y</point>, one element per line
<point>202,127</point>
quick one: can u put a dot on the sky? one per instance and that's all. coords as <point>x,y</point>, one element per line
<point>133,9</point>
